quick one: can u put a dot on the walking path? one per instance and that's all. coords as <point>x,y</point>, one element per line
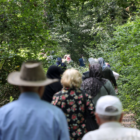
<point>128,120</point>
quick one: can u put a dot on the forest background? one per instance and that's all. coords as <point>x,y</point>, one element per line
<point>42,29</point>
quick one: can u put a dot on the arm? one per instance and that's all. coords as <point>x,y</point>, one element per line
<point>112,78</point>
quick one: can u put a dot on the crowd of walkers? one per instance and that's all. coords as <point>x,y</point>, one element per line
<point>64,105</point>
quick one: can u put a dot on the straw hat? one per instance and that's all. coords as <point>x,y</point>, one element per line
<point>31,74</point>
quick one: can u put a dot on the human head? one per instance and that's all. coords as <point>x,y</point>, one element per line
<point>108,109</point>
<point>71,79</point>
<point>92,61</point>
<point>102,62</point>
<point>54,72</point>
<point>31,78</point>
<point>95,71</point>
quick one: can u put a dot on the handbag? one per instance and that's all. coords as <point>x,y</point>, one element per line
<point>91,123</point>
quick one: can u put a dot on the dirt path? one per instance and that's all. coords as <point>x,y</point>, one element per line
<point>129,121</point>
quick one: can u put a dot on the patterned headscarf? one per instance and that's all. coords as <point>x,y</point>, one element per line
<point>93,84</point>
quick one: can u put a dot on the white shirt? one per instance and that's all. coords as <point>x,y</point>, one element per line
<point>113,131</point>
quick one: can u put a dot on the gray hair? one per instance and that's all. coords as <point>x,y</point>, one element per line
<point>109,118</point>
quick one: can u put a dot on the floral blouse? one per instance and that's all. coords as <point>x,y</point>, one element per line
<point>73,106</point>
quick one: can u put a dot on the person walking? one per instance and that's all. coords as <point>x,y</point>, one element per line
<point>53,72</point>
<point>109,116</point>
<point>96,85</point>
<point>91,62</point>
<point>81,62</point>
<point>30,118</point>
<point>74,103</point>
<point>107,73</point>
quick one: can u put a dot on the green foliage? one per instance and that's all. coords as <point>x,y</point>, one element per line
<point>31,29</point>
<point>125,59</point>
<point>11,98</point>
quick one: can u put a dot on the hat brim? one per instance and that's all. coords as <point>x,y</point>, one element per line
<point>14,79</point>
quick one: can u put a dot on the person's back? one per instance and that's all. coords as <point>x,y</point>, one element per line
<point>73,103</point>
<point>107,89</point>
<point>81,62</point>
<point>95,85</point>
<point>109,117</point>
<point>30,118</point>
<point>113,131</point>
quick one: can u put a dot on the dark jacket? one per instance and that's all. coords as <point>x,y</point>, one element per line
<point>53,72</point>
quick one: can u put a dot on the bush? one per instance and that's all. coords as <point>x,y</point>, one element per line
<point>125,59</point>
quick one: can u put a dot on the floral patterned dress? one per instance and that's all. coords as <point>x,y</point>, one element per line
<point>73,105</point>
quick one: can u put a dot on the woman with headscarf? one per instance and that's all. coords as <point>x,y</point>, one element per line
<point>96,85</point>
<point>107,72</point>
<point>53,72</point>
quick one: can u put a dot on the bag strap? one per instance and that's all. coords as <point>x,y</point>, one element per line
<point>106,90</point>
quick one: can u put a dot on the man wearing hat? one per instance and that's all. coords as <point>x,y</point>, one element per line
<point>109,116</point>
<point>30,118</point>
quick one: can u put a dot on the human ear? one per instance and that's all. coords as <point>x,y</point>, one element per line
<point>121,118</point>
<point>97,119</point>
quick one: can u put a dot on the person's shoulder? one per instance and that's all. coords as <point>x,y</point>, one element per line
<point>8,107</point>
<point>107,69</point>
<point>87,79</point>
<point>131,130</point>
<point>107,82</point>
<point>91,135</point>
<point>58,93</point>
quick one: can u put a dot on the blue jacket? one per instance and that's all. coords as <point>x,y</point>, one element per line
<point>30,118</point>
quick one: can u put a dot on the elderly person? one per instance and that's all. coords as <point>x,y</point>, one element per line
<point>109,116</point>
<point>30,118</point>
<point>71,100</point>
<point>96,85</point>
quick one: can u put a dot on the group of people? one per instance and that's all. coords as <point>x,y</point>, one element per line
<point>62,63</point>
<point>62,106</point>
<point>106,71</point>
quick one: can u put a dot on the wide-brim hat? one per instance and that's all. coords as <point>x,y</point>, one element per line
<point>31,74</point>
